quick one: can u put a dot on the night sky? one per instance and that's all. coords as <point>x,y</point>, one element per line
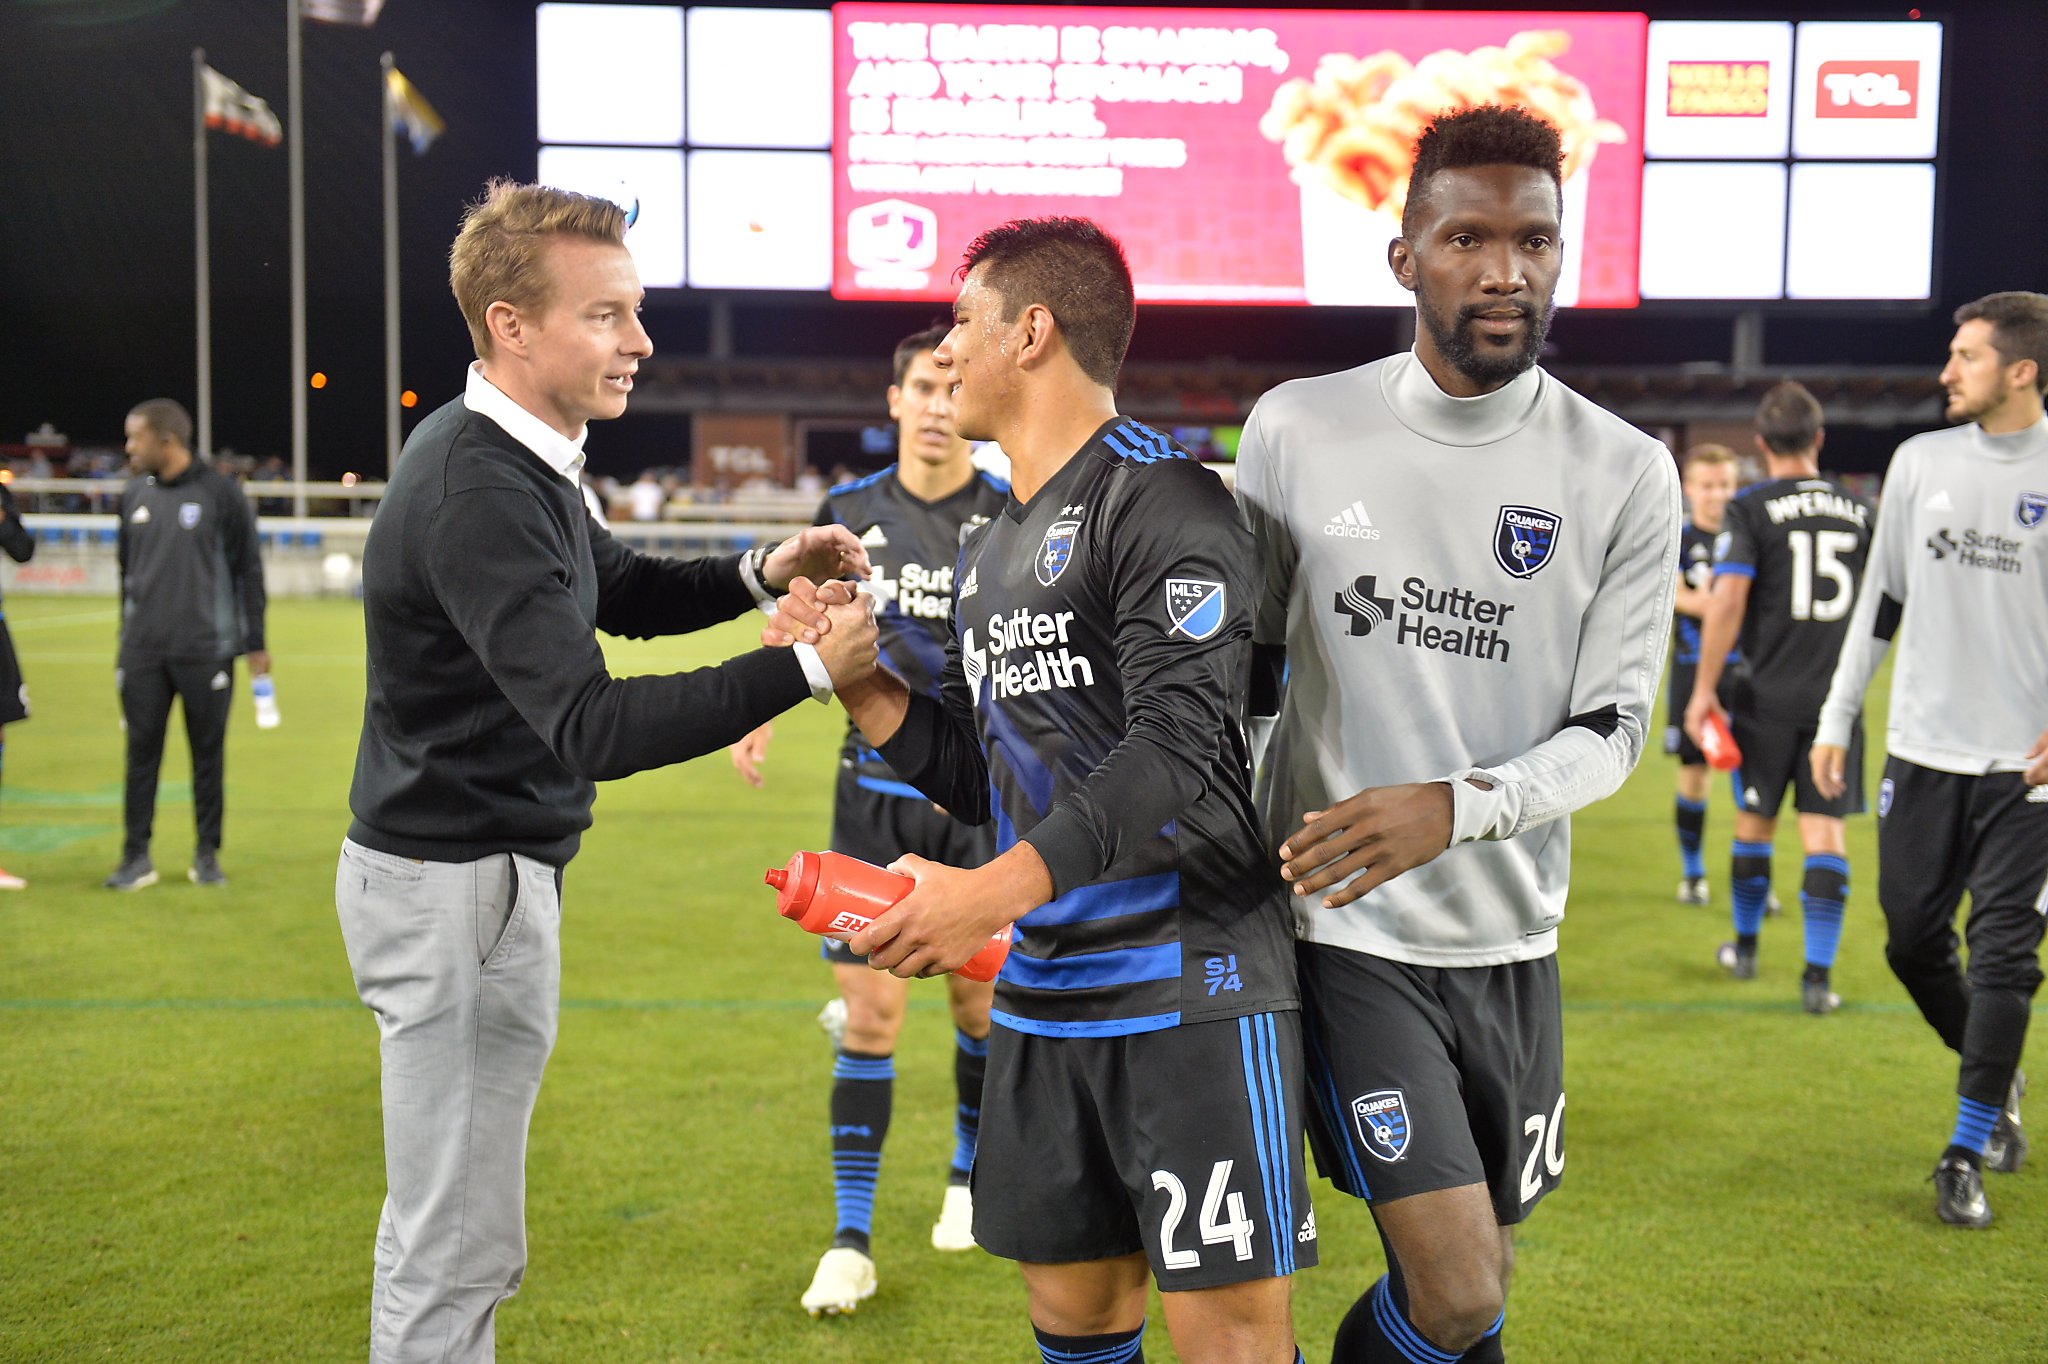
<point>96,240</point>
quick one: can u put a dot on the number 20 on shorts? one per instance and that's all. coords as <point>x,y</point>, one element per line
<point>1546,1143</point>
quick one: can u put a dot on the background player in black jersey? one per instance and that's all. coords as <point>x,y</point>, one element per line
<point>1785,577</point>
<point>911,517</point>
<point>1710,476</point>
<point>1146,1059</point>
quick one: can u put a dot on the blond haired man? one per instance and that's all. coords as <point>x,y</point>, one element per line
<point>489,714</point>
<point>1708,482</point>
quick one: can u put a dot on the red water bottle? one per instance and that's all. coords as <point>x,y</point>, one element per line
<point>836,896</point>
<point>1717,743</point>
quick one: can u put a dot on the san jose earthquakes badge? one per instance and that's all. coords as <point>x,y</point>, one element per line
<point>1194,607</point>
<point>1382,1120</point>
<point>1524,539</point>
<point>2031,510</point>
<point>1055,551</point>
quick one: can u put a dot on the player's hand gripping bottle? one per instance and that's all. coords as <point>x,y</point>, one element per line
<point>1717,743</point>
<point>836,896</point>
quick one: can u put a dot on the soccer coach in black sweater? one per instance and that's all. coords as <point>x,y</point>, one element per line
<point>490,713</point>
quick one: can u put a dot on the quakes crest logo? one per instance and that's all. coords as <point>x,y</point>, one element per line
<point>1524,539</point>
<point>1056,550</point>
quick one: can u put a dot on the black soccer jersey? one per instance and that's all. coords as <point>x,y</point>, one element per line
<point>1093,705</point>
<point>1803,542</point>
<point>914,546</point>
<point>1696,569</point>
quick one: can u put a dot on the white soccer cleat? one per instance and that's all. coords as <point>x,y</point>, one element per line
<point>9,881</point>
<point>845,1279</point>
<point>955,1228</point>
<point>832,1018</point>
<point>1693,891</point>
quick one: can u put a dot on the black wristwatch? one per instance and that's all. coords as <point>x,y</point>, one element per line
<point>757,560</point>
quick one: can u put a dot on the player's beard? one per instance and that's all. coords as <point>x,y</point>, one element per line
<point>1487,366</point>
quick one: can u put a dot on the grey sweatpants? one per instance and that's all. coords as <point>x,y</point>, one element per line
<point>461,964</point>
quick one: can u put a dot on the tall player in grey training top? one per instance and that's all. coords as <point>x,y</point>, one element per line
<point>1964,803</point>
<point>1785,572</point>
<point>1479,665</point>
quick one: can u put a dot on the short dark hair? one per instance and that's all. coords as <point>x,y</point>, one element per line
<point>914,345</point>
<point>1487,135</point>
<point>1077,272</point>
<point>167,417</point>
<point>1788,419</point>
<point>2019,328</point>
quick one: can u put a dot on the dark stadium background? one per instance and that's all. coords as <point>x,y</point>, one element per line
<point>96,248</point>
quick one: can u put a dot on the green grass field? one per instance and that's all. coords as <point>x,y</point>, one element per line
<point>190,1163</point>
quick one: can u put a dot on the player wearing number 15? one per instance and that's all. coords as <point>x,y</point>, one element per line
<point>1785,574</point>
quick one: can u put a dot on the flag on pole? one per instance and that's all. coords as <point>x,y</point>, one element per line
<point>357,13</point>
<point>410,112</point>
<point>232,109</point>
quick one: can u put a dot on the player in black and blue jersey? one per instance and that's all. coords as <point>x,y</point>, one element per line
<point>1142,1105</point>
<point>911,517</point>
<point>1709,480</point>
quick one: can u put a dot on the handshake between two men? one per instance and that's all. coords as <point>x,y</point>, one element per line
<point>954,910</point>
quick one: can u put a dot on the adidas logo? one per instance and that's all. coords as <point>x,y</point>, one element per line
<point>1308,1227</point>
<point>1351,524</point>
<point>1940,502</point>
<point>1751,798</point>
<point>873,538</point>
<point>2037,795</point>
<point>968,588</point>
<point>140,517</point>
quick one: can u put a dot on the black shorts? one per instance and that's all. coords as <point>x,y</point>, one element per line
<point>880,826</point>
<point>1184,1143</point>
<point>1423,1078</point>
<point>1941,833</point>
<point>1775,756</point>
<point>13,691</point>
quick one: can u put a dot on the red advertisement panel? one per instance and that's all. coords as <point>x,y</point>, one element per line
<point>1242,156</point>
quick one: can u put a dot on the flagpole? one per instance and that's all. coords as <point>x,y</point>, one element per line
<point>390,276</point>
<point>202,275</point>
<point>294,122</point>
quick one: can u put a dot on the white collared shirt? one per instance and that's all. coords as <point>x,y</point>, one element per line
<point>565,457</point>
<point>557,451</point>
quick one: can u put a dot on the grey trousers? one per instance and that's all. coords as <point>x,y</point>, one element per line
<point>461,963</point>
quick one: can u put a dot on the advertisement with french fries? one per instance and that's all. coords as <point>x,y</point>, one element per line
<point>1242,156</point>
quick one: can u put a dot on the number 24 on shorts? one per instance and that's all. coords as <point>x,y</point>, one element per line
<point>1236,1232</point>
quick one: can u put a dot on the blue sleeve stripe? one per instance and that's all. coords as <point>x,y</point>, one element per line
<point>1107,900</point>
<point>1739,570</point>
<point>889,788</point>
<point>1118,966</point>
<point>1101,1027</point>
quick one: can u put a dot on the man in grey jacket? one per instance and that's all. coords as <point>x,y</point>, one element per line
<point>1964,801</point>
<point>1470,570</point>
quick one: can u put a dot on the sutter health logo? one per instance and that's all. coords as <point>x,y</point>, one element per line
<point>1449,620</point>
<point>1026,652</point>
<point>1868,90</point>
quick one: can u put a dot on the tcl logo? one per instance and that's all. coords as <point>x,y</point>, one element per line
<point>1868,90</point>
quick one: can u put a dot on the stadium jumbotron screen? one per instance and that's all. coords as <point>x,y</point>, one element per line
<point>1242,156</point>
